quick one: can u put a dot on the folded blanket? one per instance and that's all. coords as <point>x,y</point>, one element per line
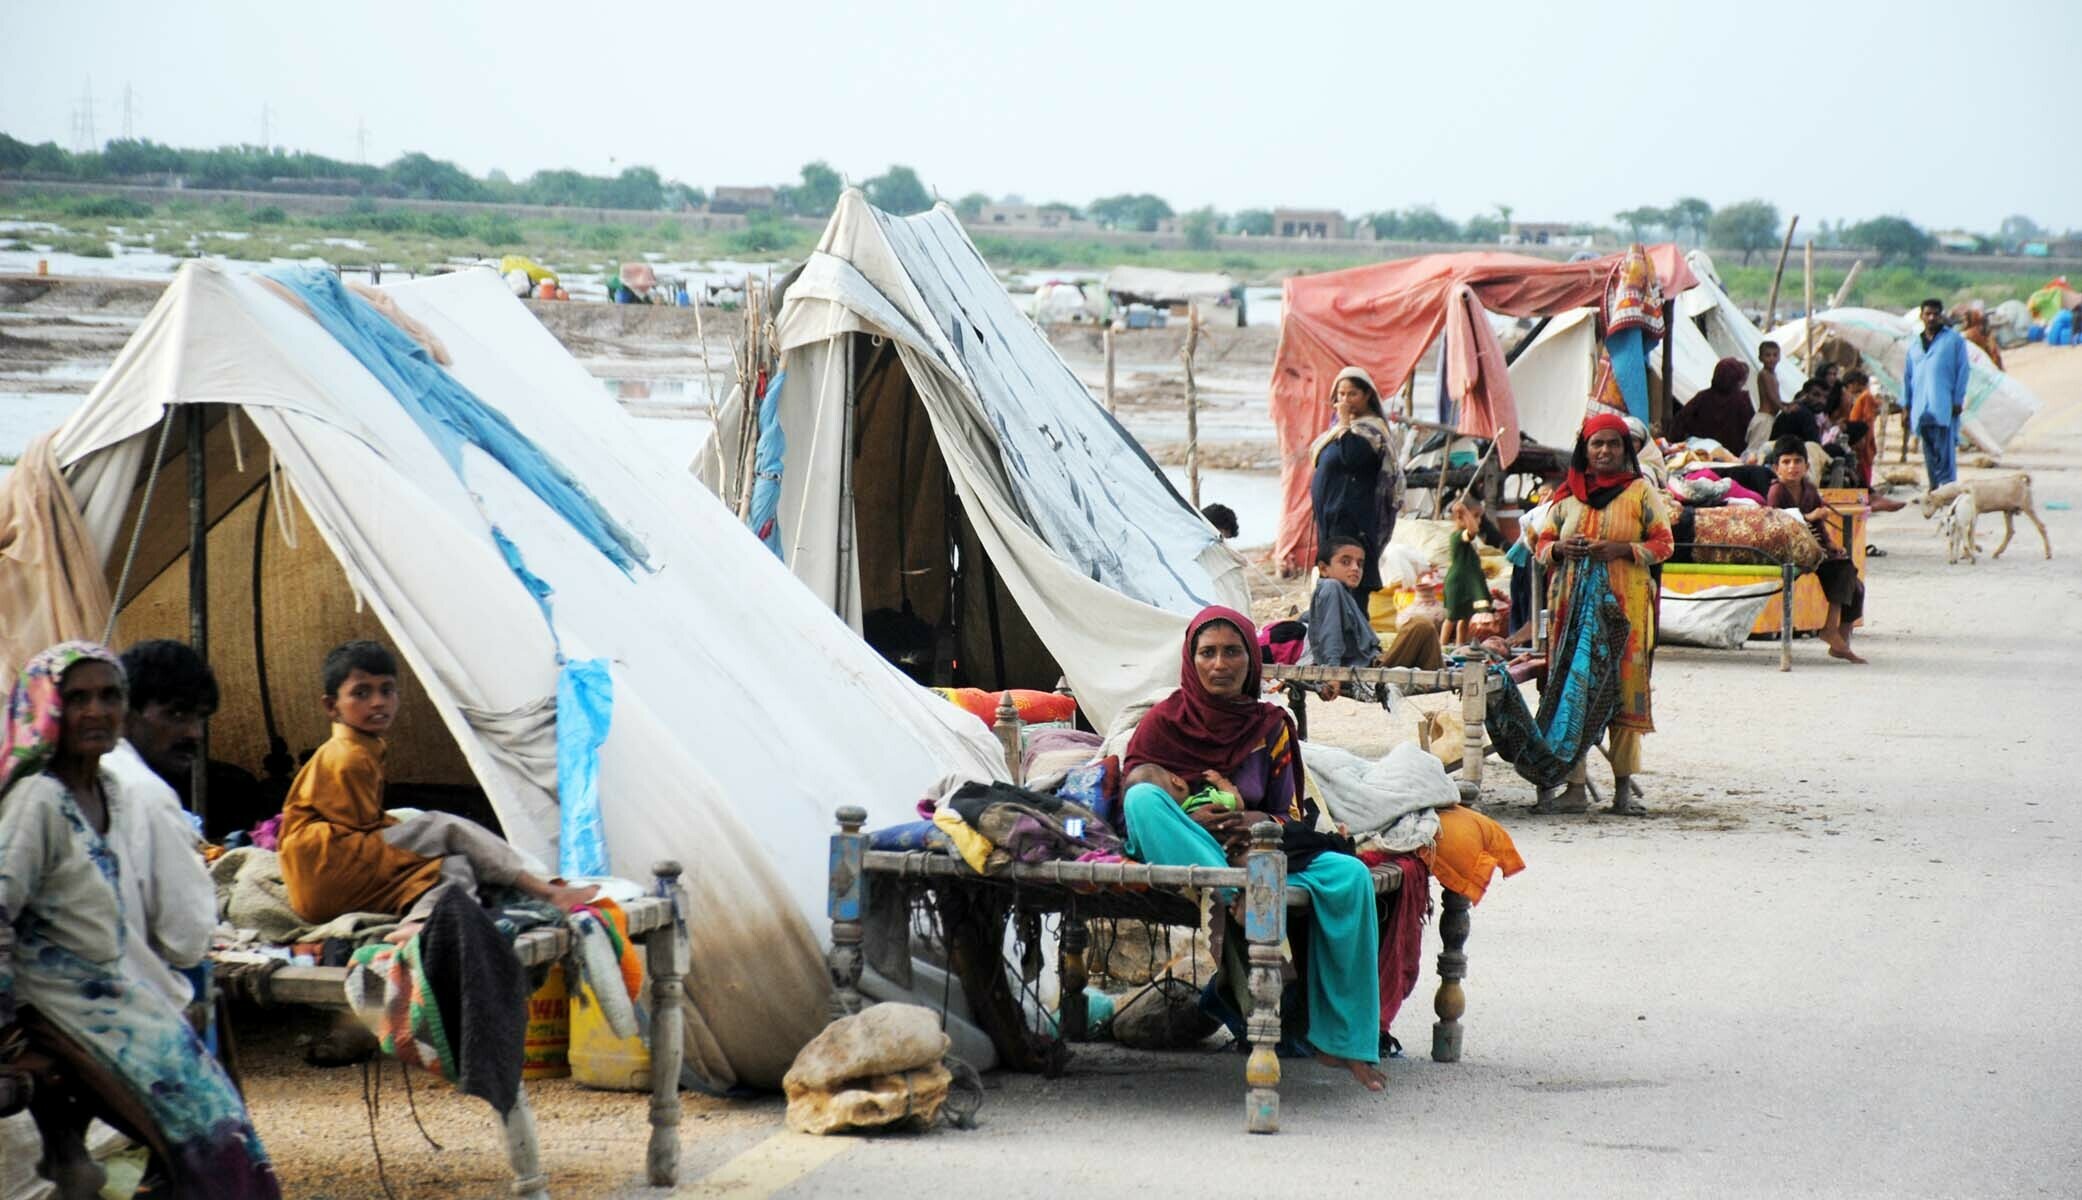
<point>1370,796</point>
<point>251,895</point>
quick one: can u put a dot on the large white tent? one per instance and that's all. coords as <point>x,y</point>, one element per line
<point>943,461</point>
<point>743,712</point>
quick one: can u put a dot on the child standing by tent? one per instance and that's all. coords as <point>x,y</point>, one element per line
<point>342,853</point>
<point>1467,590</point>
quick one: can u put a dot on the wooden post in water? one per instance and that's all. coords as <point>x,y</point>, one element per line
<point>1771,305</point>
<point>1807,322</point>
<point>1106,337</point>
<point>1192,406</point>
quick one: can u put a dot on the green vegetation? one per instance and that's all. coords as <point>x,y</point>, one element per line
<point>416,240</point>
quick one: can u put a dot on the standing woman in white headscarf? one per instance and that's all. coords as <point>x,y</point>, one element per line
<point>1357,483</point>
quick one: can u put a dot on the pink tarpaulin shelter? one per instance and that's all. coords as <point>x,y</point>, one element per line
<point>1384,317</point>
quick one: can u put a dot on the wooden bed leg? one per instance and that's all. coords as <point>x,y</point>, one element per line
<point>1075,1015</point>
<point>1474,722</point>
<point>1450,1002</point>
<point>1790,575</point>
<point>662,960</point>
<point>1297,700</point>
<point>524,1151</point>
<point>848,889</point>
<point>1265,928</point>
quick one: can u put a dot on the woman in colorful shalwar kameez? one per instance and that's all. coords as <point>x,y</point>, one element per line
<point>1606,511</point>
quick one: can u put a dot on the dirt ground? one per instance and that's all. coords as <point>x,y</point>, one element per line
<point>1838,958</point>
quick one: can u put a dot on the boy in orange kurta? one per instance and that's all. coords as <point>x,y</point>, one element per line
<point>341,853</point>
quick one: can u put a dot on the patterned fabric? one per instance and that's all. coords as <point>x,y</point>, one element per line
<point>1636,515</point>
<point>33,710</point>
<point>1783,536</point>
<point>1581,698</point>
<point>1634,296</point>
<point>387,988</point>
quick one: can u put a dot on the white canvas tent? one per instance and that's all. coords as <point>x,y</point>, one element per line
<point>1552,379</point>
<point>942,459</point>
<point>743,712</point>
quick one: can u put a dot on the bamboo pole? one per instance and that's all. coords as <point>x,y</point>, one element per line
<point>1807,322</point>
<point>1409,394</point>
<point>1771,305</point>
<point>1107,338</point>
<point>1844,293</point>
<point>1192,405</point>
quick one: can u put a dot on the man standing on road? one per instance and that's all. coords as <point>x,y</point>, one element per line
<point>1934,384</point>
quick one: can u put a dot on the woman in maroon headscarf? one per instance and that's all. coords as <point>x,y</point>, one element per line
<point>1721,412</point>
<point>1210,761</point>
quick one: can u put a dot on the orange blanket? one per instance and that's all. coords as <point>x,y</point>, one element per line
<point>1470,851</point>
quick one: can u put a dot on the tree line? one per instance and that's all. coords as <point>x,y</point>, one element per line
<point>1749,227</point>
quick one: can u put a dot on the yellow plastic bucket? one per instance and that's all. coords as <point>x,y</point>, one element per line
<point>546,1048</point>
<point>598,1058</point>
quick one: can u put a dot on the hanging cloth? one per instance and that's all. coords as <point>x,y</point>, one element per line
<point>1582,693</point>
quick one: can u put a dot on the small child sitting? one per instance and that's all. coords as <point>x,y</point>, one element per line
<point>1339,634</point>
<point>341,853</point>
<point>1467,589</point>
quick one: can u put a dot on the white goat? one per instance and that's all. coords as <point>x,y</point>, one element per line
<point>2006,494</point>
<point>1955,523</point>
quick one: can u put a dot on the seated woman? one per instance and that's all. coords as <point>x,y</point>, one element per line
<point>1214,736</point>
<point>1838,575</point>
<point>136,1062</point>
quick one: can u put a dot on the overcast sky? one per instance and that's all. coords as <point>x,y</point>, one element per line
<point>1563,111</point>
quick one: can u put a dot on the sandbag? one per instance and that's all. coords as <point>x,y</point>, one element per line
<point>877,1068</point>
<point>1163,1014</point>
<point>1717,618</point>
<point>1432,539</point>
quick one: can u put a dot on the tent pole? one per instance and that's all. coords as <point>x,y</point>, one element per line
<point>1807,320</point>
<point>198,596</point>
<point>1669,354</point>
<point>845,589</point>
<point>1844,293</point>
<point>1107,338</point>
<point>1525,343</point>
<point>1192,406</point>
<point>1771,305</point>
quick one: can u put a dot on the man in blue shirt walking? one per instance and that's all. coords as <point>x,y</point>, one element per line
<point>1935,381</point>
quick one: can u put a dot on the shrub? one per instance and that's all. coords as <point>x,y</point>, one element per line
<point>268,214</point>
<point>117,208</point>
<point>602,237</point>
<point>497,229</point>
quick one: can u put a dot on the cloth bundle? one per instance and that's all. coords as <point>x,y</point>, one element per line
<point>1389,804</point>
<point>996,824</point>
<point>453,1000</point>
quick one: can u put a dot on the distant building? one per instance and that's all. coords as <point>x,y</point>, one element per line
<point>1327,223</point>
<point>743,199</point>
<point>1544,233</point>
<point>1957,241</point>
<point>1045,217</point>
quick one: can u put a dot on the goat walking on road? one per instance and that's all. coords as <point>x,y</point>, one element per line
<point>2006,494</point>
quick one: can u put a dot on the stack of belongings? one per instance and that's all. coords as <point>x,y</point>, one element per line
<point>1403,811</point>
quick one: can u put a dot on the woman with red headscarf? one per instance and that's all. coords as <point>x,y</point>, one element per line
<point>1605,511</point>
<point>1212,760</point>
